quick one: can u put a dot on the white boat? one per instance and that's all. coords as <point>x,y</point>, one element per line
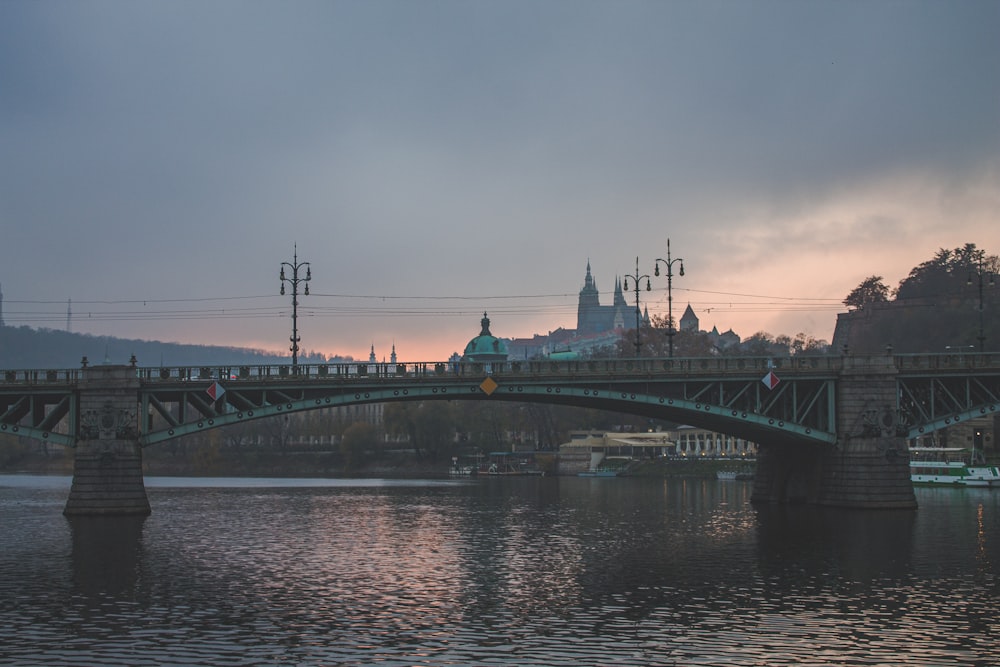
<point>598,472</point>
<point>743,473</point>
<point>950,466</point>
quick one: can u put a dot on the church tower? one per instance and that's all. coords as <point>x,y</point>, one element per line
<point>689,321</point>
<point>589,307</point>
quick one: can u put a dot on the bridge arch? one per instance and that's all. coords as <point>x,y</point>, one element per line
<point>959,416</point>
<point>742,423</point>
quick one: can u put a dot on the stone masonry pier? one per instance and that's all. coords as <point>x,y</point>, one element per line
<point>107,472</point>
<point>868,466</point>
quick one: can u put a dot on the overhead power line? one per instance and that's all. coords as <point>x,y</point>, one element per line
<point>325,305</point>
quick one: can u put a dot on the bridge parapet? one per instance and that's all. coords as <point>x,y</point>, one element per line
<point>907,363</point>
<point>600,368</point>
<point>48,376</point>
<point>904,363</point>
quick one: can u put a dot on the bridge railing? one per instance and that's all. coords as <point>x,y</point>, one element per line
<point>40,376</point>
<point>687,366</point>
<point>364,371</point>
<point>961,361</point>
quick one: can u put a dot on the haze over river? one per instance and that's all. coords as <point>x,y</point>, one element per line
<point>526,571</point>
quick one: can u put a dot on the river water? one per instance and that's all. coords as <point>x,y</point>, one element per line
<point>525,571</point>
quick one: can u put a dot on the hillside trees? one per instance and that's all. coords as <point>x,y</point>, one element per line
<point>936,308</point>
<point>871,290</point>
<point>947,273</point>
<point>26,347</point>
<point>654,342</point>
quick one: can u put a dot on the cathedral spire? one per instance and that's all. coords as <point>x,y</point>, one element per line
<point>619,298</point>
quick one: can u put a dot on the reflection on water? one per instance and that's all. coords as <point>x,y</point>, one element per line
<point>106,555</point>
<point>858,546</point>
<point>501,571</point>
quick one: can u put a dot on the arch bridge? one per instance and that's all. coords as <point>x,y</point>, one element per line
<point>831,430</point>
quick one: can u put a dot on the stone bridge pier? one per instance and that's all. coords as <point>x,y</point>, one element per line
<point>107,469</point>
<point>868,467</point>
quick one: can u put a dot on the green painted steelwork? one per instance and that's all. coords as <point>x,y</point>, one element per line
<point>725,394</point>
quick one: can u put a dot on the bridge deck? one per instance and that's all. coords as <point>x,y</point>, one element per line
<point>724,393</point>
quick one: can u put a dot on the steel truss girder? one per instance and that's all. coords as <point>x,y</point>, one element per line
<point>934,391</point>
<point>800,409</point>
<point>930,403</point>
<point>809,402</point>
<point>43,414</point>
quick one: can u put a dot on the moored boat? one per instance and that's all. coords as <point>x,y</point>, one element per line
<point>598,472</point>
<point>744,473</point>
<point>506,464</point>
<point>950,466</point>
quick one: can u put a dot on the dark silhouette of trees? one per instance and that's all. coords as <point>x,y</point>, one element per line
<point>762,344</point>
<point>934,309</point>
<point>358,444</point>
<point>871,290</point>
<point>947,273</point>
<point>429,426</point>
<point>654,342</point>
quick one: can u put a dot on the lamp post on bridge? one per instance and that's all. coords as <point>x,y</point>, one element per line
<point>992,281</point>
<point>670,299</point>
<point>294,281</point>
<point>638,279</point>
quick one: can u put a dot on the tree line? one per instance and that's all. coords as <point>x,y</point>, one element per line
<point>950,273</point>
<point>947,303</point>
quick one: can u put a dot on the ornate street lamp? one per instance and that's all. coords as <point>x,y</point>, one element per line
<point>670,298</point>
<point>295,265</point>
<point>992,281</point>
<point>638,279</point>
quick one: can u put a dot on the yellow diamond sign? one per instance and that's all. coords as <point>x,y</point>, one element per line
<point>488,386</point>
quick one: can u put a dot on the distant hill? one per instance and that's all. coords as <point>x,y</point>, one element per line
<point>24,347</point>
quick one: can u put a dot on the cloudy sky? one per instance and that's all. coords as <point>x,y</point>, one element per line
<point>435,159</point>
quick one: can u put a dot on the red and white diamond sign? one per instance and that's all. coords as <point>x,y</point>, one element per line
<point>215,391</point>
<point>770,380</point>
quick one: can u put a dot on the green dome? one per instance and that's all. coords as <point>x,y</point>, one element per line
<point>485,346</point>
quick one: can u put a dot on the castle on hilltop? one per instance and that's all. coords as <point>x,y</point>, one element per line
<point>591,316</point>
<point>601,326</point>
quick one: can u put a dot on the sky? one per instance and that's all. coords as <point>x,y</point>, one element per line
<point>433,160</point>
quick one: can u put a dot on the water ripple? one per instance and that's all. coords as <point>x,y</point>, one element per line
<point>528,572</point>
